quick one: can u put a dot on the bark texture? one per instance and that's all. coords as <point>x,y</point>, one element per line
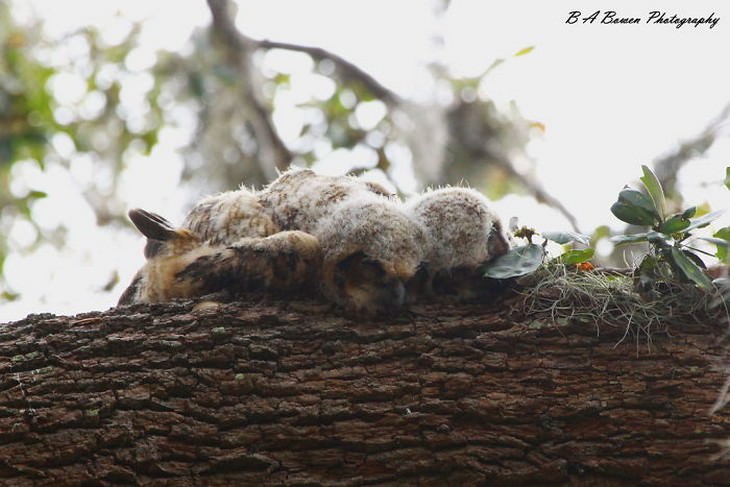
<point>275,393</point>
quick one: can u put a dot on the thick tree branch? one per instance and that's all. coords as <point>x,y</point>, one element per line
<point>287,393</point>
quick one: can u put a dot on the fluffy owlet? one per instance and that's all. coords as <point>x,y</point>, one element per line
<point>371,251</point>
<point>299,198</point>
<point>463,234</point>
<point>180,265</point>
<point>226,217</point>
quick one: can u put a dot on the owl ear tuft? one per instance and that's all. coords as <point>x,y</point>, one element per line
<point>152,225</point>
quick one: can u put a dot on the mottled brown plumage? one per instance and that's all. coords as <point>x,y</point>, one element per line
<point>180,265</point>
<point>300,198</point>
<point>226,217</point>
<point>364,250</point>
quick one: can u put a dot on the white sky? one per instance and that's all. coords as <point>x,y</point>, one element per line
<point>612,97</point>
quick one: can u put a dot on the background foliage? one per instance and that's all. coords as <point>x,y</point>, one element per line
<point>98,108</point>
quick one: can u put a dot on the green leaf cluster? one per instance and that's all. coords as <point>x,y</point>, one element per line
<point>668,235</point>
<point>671,257</point>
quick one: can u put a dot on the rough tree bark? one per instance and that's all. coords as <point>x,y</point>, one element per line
<point>275,393</point>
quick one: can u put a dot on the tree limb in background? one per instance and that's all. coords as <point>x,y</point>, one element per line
<point>540,194</point>
<point>480,139</point>
<point>457,134</point>
<point>348,72</point>
<point>271,152</point>
<point>667,167</point>
<point>433,134</point>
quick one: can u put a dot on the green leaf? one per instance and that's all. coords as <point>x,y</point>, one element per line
<point>702,210</point>
<point>517,262</point>
<point>694,258</point>
<point>674,224</point>
<point>573,257</point>
<point>524,51</point>
<point>632,214</point>
<point>705,220</point>
<point>637,198</point>
<point>653,237</point>
<point>150,139</point>
<point>627,239</point>
<point>9,296</point>
<point>723,253</point>
<point>566,237</point>
<point>654,187</point>
<point>282,79</point>
<point>601,232</point>
<point>690,212</point>
<point>689,269</point>
<point>35,195</point>
<point>727,177</point>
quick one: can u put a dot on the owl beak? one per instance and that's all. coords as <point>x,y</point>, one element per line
<point>392,296</point>
<point>398,293</point>
<point>497,245</point>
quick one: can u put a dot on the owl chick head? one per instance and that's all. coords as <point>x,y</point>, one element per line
<point>162,237</point>
<point>165,250</point>
<point>461,228</point>
<point>371,250</point>
<point>464,234</point>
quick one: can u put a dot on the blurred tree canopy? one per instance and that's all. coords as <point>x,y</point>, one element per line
<point>89,103</point>
<point>85,100</point>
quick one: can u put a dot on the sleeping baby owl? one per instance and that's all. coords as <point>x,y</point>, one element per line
<point>370,248</point>
<point>463,235</point>
<point>350,239</point>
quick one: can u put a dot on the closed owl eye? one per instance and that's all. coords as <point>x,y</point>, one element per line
<point>497,244</point>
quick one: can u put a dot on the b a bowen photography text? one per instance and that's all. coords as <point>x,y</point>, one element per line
<point>653,17</point>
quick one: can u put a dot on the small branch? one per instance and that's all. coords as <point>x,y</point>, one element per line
<point>348,71</point>
<point>667,166</point>
<point>539,193</point>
